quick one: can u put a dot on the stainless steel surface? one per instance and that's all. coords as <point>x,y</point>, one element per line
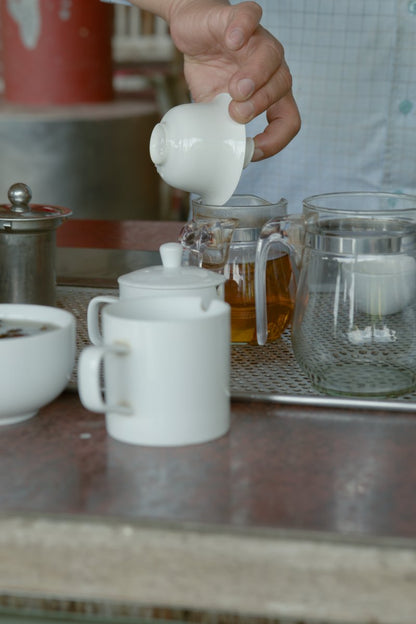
<point>317,401</point>
<point>268,373</point>
<point>99,267</point>
<point>92,158</point>
<point>27,267</point>
<point>361,235</point>
<point>27,248</point>
<point>271,374</point>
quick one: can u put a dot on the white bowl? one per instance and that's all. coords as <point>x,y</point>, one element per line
<point>200,149</point>
<point>34,368</point>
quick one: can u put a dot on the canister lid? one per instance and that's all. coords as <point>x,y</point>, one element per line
<point>171,275</point>
<point>20,214</point>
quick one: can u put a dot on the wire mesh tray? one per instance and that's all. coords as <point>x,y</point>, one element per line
<point>268,373</point>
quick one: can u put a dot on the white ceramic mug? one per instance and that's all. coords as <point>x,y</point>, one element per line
<point>166,371</point>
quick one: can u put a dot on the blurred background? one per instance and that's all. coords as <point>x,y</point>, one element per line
<point>82,85</point>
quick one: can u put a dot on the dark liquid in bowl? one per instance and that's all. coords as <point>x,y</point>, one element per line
<point>10,328</point>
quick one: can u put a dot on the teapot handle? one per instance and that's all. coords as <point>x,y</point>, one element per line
<point>93,317</point>
<point>280,231</point>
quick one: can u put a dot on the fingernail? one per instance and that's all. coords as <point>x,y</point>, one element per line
<point>244,110</point>
<point>246,87</point>
<point>258,154</point>
<point>235,38</point>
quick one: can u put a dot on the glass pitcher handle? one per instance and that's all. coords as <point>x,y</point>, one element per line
<point>275,232</point>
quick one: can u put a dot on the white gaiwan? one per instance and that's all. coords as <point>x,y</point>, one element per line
<point>200,149</point>
<point>169,280</point>
<point>383,284</point>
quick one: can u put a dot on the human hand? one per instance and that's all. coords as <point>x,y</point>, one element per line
<point>227,50</point>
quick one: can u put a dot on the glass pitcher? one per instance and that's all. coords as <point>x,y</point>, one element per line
<point>288,234</point>
<point>354,323</point>
<point>249,213</point>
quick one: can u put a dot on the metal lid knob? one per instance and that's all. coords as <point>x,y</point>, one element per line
<point>19,195</point>
<point>23,215</point>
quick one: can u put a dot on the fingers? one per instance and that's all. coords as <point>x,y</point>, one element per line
<point>276,98</point>
<point>245,18</point>
<point>264,83</point>
<point>284,123</point>
<point>262,96</point>
<point>263,66</point>
<point>226,49</point>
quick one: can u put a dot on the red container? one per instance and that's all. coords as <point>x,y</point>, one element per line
<point>57,52</point>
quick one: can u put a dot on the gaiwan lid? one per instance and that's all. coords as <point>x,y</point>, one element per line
<point>21,215</point>
<point>171,275</point>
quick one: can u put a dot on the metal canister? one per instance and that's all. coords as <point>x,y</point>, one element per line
<point>28,248</point>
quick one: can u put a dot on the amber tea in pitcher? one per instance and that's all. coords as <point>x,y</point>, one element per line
<point>239,293</point>
<point>250,213</point>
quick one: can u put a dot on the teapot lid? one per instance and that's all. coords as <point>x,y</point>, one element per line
<point>171,275</point>
<point>20,214</point>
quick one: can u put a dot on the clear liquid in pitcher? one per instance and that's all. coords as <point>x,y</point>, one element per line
<point>239,293</point>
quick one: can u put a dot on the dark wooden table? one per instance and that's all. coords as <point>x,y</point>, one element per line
<point>302,513</point>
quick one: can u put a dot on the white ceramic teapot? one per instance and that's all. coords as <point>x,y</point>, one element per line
<point>169,279</point>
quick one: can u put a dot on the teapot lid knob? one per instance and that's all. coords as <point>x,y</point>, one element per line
<point>19,195</point>
<point>171,254</point>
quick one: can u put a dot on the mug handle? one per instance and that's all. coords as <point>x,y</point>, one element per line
<point>89,386</point>
<point>93,317</point>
